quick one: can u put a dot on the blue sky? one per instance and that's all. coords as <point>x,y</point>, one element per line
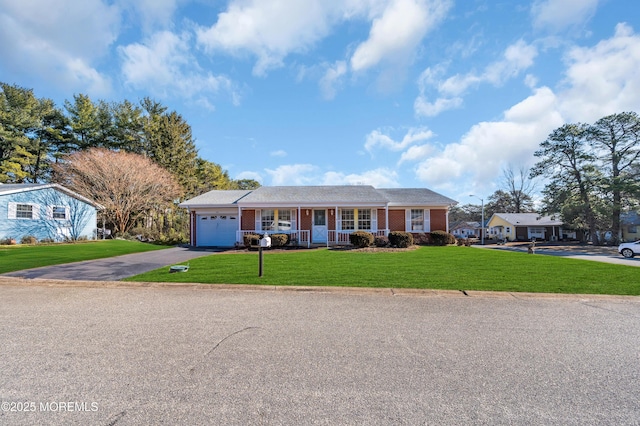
<point>441,94</point>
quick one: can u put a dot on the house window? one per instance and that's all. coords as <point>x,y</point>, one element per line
<point>348,219</point>
<point>268,220</point>
<point>284,220</point>
<point>417,220</point>
<point>59,212</point>
<point>24,211</point>
<point>508,230</point>
<point>364,219</point>
<point>633,229</point>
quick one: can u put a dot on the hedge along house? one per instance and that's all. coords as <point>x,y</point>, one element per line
<point>46,212</point>
<point>324,215</point>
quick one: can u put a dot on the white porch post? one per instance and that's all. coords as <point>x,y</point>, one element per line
<point>386,218</point>
<point>299,219</point>
<point>239,223</point>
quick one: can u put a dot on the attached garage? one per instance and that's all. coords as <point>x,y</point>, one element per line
<point>215,226</point>
<point>217,229</point>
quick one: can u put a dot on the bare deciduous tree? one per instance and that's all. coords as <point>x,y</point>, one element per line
<point>128,185</point>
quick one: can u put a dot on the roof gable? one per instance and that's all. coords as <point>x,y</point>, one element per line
<point>14,188</point>
<point>217,197</point>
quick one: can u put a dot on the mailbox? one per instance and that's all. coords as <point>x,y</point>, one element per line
<point>265,242</point>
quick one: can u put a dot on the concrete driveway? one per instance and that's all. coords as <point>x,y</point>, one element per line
<point>208,356</point>
<point>114,268</point>
<point>598,254</point>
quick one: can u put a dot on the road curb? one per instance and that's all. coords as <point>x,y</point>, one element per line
<point>400,292</point>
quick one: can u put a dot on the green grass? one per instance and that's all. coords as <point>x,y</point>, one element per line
<point>453,268</point>
<point>18,257</point>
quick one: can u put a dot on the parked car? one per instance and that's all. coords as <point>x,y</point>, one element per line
<point>629,250</point>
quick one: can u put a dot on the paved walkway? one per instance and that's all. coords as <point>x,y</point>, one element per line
<point>114,268</point>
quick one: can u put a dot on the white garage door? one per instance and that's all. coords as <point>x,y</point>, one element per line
<point>217,230</point>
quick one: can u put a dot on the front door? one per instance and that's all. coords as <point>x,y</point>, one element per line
<point>319,231</point>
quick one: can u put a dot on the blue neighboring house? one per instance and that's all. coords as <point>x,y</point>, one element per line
<point>46,212</point>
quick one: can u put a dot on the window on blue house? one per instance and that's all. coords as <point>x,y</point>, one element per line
<point>24,211</point>
<point>59,212</point>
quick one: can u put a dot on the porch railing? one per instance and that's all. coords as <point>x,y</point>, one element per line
<point>303,237</point>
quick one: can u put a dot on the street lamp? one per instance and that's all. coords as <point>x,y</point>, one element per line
<point>481,224</point>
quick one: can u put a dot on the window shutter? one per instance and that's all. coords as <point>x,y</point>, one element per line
<point>12,211</point>
<point>407,224</point>
<point>258,220</point>
<point>67,213</point>
<point>49,212</point>
<point>374,220</point>
<point>427,220</point>
<point>294,220</point>
<point>35,215</point>
<point>339,219</point>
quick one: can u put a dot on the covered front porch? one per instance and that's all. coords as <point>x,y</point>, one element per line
<point>313,225</point>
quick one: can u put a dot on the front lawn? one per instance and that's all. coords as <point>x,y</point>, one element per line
<point>453,268</point>
<point>19,257</point>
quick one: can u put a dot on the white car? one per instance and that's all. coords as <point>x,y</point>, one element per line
<point>629,250</point>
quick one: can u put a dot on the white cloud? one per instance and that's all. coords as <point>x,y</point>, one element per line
<point>153,13</point>
<point>332,79</point>
<point>424,108</point>
<point>487,146</point>
<point>309,174</point>
<point>379,139</point>
<point>557,15</point>
<point>164,65</point>
<point>398,31</point>
<point>268,30</point>
<point>293,174</point>
<point>61,43</point>
<point>379,178</point>
<point>516,58</point>
<point>249,175</point>
<point>416,153</point>
<point>603,79</point>
<point>278,153</point>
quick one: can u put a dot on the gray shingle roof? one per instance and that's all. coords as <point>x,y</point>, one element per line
<point>415,196</point>
<point>216,197</point>
<point>9,188</point>
<point>530,219</point>
<point>16,187</point>
<point>315,195</point>
<point>321,195</point>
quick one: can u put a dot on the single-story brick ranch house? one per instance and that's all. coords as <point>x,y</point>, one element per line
<point>526,226</point>
<point>313,214</point>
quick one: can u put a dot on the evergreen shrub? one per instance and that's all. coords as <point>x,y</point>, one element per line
<point>361,239</point>
<point>400,239</point>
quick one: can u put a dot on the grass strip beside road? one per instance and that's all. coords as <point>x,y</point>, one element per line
<point>19,257</point>
<point>452,268</point>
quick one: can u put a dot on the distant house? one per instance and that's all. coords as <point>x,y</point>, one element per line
<point>526,226</point>
<point>466,230</point>
<point>314,214</point>
<point>46,212</point>
<point>630,226</point>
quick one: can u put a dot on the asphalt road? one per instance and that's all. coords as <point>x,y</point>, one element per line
<point>204,355</point>
<point>114,268</point>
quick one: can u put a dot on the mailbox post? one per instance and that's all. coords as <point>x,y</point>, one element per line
<point>265,242</point>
